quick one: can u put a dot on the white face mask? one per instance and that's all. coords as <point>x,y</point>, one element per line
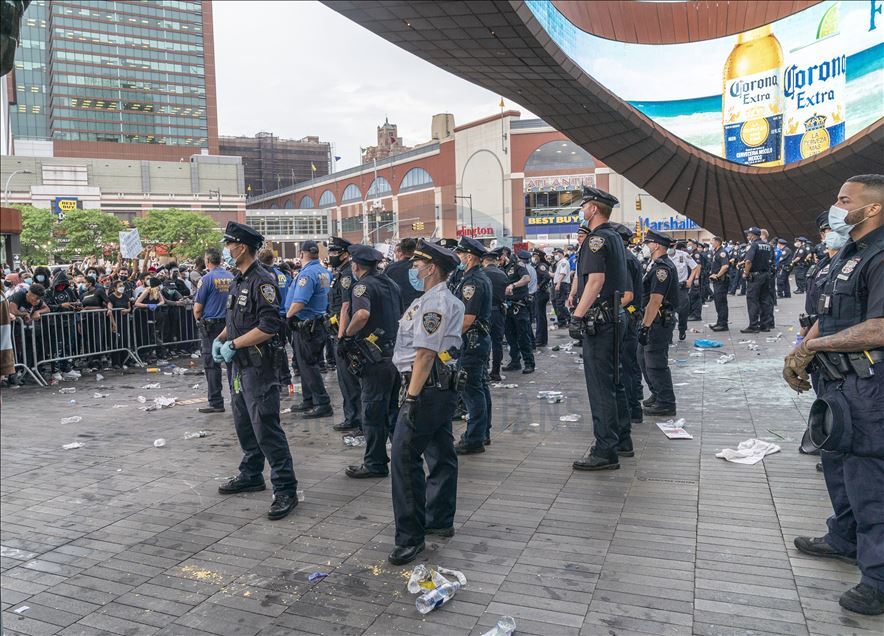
<point>646,251</point>
<point>835,240</point>
<point>671,251</point>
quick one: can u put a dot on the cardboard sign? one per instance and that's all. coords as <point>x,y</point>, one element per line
<point>130,244</point>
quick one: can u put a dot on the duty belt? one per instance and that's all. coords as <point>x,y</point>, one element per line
<point>443,377</point>
<point>835,366</point>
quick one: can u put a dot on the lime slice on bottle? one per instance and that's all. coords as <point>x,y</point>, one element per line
<point>829,23</point>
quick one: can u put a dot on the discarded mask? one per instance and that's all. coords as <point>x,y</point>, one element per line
<point>572,417</point>
<point>71,420</point>
<point>73,445</point>
<point>726,358</point>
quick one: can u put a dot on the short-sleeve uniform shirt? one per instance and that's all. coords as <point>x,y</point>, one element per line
<point>211,292</point>
<point>311,288</point>
<point>432,322</point>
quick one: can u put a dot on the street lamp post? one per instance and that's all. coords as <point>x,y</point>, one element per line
<point>470,198</point>
<point>6,189</point>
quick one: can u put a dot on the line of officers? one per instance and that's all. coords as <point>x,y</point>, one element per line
<point>411,342</point>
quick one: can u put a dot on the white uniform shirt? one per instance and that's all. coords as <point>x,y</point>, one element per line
<point>532,274</point>
<point>684,264</point>
<point>433,322</point>
<point>562,272</point>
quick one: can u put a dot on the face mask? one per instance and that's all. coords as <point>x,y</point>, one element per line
<point>835,240</point>
<point>671,251</point>
<point>28,281</point>
<point>82,287</point>
<point>334,261</point>
<point>228,257</point>
<point>121,290</point>
<point>414,278</point>
<point>838,216</point>
<point>461,266</point>
<point>646,251</point>
<point>40,278</point>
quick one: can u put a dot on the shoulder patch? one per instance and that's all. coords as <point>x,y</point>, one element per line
<point>302,281</point>
<point>595,243</point>
<point>543,268</point>
<point>662,274</point>
<point>722,254</point>
<point>345,282</point>
<point>468,291</point>
<point>431,321</point>
<point>268,291</point>
<point>359,289</point>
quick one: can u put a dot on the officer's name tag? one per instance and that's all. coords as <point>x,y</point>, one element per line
<point>243,299</point>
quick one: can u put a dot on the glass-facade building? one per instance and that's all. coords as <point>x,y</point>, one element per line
<point>130,74</point>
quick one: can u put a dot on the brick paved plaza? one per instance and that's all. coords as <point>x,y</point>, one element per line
<point>121,537</point>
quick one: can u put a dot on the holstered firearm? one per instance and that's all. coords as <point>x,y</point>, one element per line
<point>361,353</point>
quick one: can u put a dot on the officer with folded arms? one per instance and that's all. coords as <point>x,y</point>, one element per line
<point>428,331</point>
<point>209,310</point>
<point>374,310</point>
<point>248,344</point>
<point>756,272</point>
<point>499,282</point>
<point>307,302</point>
<point>339,314</point>
<point>720,267</point>
<point>846,344</point>
<point>518,316</point>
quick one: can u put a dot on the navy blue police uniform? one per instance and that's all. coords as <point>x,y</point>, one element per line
<point>602,252</point>
<point>253,302</point>
<point>799,265</point>
<point>340,294</point>
<point>784,268</point>
<point>629,389</point>
<point>541,299</point>
<point>425,503</point>
<point>378,378</point>
<point>758,300</point>
<point>719,289</point>
<point>474,291</point>
<point>211,292</point>
<point>398,272</point>
<point>661,278</point>
<point>695,293</point>
<point>283,282</point>
<point>499,282</point>
<point>518,320</point>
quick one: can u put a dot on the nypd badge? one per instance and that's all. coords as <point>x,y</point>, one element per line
<point>596,243</point>
<point>268,291</point>
<point>662,275</point>
<point>359,289</point>
<point>468,291</point>
<point>345,282</point>
<point>849,266</point>
<point>431,321</point>
<point>302,282</point>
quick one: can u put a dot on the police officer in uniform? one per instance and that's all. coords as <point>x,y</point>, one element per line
<point>719,278</point>
<point>247,343</point>
<point>339,259</point>
<point>597,322</point>
<point>307,303</point>
<point>428,330</point>
<point>660,300</point>
<point>474,291</point>
<point>629,390</point>
<point>756,271</point>
<point>799,264</point>
<point>849,333</point>
<point>209,310</point>
<point>283,282</point>
<point>541,298</point>
<point>784,268</point>
<point>518,316</point>
<point>499,282</point>
<point>695,293</point>
<point>375,308</point>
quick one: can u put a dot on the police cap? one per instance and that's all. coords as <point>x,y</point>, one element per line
<point>436,254</point>
<point>241,233</point>
<point>803,239</point>
<point>493,254</point>
<point>471,246</point>
<point>624,232</point>
<point>583,229</point>
<point>539,252</point>
<point>365,255</point>
<point>447,243</point>
<point>753,230</point>
<point>337,244</point>
<point>524,255</point>
<point>822,221</point>
<point>659,238</point>
<point>309,246</point>
<point>782,241</point>
<point>594,194</point>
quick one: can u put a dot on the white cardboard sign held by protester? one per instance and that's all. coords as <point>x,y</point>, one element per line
<point>130,244</point>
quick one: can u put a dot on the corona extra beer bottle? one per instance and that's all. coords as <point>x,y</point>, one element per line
<point>752,100</point>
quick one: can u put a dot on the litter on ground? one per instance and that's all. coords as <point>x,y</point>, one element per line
<point>674,429</point>
<point>707,344</point>
<point>749,452</point>
<point>73,445</point>
<point>71,420</point>
<point>571,417</point>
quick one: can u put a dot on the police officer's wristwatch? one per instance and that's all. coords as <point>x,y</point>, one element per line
<point>232,344</point>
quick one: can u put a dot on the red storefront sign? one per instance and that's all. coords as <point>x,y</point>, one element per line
<point>476,232</point>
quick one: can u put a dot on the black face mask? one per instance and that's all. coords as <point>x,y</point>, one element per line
<point>334,261</point>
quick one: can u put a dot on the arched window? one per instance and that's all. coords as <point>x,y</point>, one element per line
<point>306,203</point>
<point>351,193</point>
<point>289,204</point>
<point>327,199</point>
<point>559,155</point>
<point>380,187</point>
<point>414,179</point>
<point>274,206</point>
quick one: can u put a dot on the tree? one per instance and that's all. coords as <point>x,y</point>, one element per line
<point>185,234</point>
<point>37,243</point>
<point>87,232</point>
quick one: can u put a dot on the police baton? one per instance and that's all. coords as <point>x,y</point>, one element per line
<point>617,336</point>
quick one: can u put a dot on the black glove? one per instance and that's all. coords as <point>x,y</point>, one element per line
<point>407,410</point>
<point>576,328</point>
<point>643,335</point>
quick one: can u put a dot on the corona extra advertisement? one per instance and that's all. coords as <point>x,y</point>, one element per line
<point>777,94</point>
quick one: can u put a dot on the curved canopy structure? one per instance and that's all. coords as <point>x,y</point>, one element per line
<point>502,47</point>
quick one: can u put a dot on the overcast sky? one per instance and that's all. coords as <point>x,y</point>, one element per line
<point>299,68</point>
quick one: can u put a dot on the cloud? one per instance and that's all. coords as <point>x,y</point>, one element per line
<point>299,68</point>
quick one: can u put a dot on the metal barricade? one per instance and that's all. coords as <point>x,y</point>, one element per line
<point>165,330</point>
<point>23,348</point>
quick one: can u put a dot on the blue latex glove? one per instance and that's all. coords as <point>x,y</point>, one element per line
<point>216,351</point>
<point>152,306</point>
<point>227,352</point>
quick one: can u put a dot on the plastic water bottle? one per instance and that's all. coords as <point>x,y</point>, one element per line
<point>426,603</point>
<point>506,625</point>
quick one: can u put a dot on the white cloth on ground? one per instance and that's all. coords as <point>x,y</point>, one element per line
<point>751,451</point>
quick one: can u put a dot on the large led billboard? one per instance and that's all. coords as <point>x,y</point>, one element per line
<point>773,95</point>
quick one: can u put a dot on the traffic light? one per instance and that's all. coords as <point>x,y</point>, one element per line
<point>638,203</point>
<point>418,226</point>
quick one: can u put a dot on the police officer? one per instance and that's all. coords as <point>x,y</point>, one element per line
<point>474,291</point>
<point>720,266</point>
<point>688,272</point>
<point>660,301</point>
<point>541,298</point>
<point>799,264</point>
<point>850,332</point>
<point>209,310</point>
<point>283,282</point>
<point>375,308</point>
<point>247,342</point>
<point>499,282</point>
<point>561,287</point>
<point>629,389</point>
<point>597,322</point>
<point>339,310</point>
<point>398,271</point>
<point>525,259</point>
<point>428,330</point>
<point>756,272</point>
<point>784,268</point>
<point>307,303</point>
<point>518,317</point>
<point>695,293</point>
